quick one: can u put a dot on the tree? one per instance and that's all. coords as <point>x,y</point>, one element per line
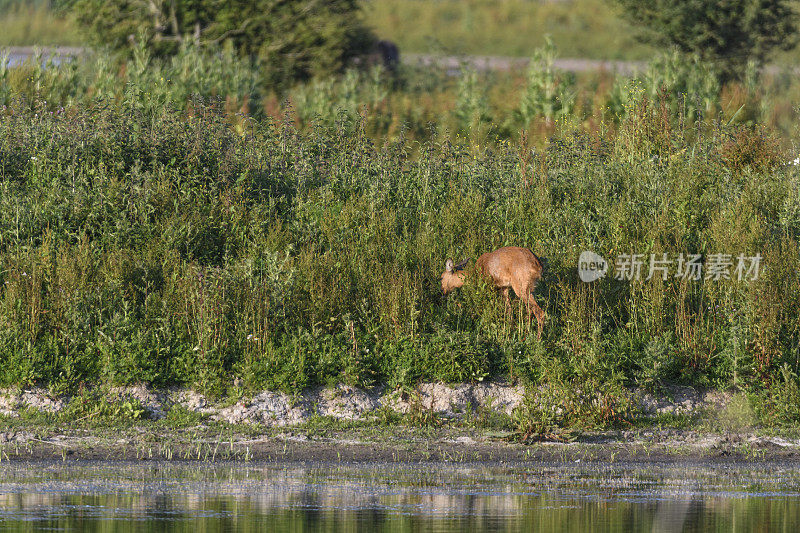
<point>727,33</point>
<point>291,39</point>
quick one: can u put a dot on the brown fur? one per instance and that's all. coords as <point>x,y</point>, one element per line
<point>511,267</point>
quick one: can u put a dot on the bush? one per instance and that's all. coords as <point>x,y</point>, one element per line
<point>684,85</point>
<point>292,40</point>
<point>549,94</point>
<point>728,33</point>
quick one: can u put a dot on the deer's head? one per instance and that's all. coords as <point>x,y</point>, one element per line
<point>453,275</point>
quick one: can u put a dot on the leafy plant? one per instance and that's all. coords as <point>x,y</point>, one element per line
<point>292,40</point>
<point>472,108</point>
<point>727,33</point>
<point>549,94</point>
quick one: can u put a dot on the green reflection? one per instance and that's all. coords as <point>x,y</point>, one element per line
<point>436,498</point>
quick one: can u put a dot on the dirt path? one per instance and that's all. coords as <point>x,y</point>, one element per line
<point>484,63</point>
<point>19,54</point>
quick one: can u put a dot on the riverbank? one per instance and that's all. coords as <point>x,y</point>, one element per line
<point>436,402</point>
<point>433,422</point>
<point>393,444</point>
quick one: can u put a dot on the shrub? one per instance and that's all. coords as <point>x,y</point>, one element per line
<point>292,40</point>
<point>728,33</point>
<point>549,94</point>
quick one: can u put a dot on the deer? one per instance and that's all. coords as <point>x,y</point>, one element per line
<point>511,267</point>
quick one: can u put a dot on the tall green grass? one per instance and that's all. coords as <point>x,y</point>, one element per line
<point>159,223</point>
<point>168,246</point>
<point>413,103</point>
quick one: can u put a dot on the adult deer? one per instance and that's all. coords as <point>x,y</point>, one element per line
<point>511,267</point>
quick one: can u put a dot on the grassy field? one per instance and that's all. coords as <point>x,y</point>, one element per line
<point>580,28</point>
<point>33,23</point>
<point>176,222</point>
<point>157,225</point>
<point>511,27</point>
<point>592,29</point>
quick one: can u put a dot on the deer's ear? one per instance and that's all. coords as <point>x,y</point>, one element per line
<point>462,264</point>
<point>448,266</point>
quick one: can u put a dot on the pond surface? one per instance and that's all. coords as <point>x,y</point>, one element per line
<point>380,497</point>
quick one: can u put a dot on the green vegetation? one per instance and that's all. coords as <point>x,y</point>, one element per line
<point>291,40</point>
<point>413,103</point>
<point>153,228</point>
<point>511,27</point>
<point>728,35</point>
<point>35,23</point>
<point>174,220</point>
<point>579,28</point>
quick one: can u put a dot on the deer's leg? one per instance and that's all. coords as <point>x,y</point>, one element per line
<point>532,305</point>
<point>507,301</point>
<point>522,293</point>
<point>526,293</point>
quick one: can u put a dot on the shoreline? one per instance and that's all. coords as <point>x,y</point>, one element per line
<point>434,422</point>
<point>391,445</point>
<point>431,402</point>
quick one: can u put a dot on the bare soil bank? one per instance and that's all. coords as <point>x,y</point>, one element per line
<point>343,402</point>
<point>350,425</point>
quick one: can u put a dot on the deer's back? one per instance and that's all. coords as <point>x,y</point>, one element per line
<point>509,264</point>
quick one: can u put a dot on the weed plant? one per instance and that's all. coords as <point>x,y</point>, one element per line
<point>166,245</point>
<point>411,104</point>
<point>157,226</point>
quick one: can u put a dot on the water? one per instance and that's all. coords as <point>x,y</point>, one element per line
<point>393,498</point>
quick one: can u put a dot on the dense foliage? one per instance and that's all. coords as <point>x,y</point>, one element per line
<point>292,40</point>
<point>149,244</point>
<point>727,33</point>
<point>167,221</point>
<point>412,103</point>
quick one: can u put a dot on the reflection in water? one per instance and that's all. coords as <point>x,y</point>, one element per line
<point>104,496</point>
